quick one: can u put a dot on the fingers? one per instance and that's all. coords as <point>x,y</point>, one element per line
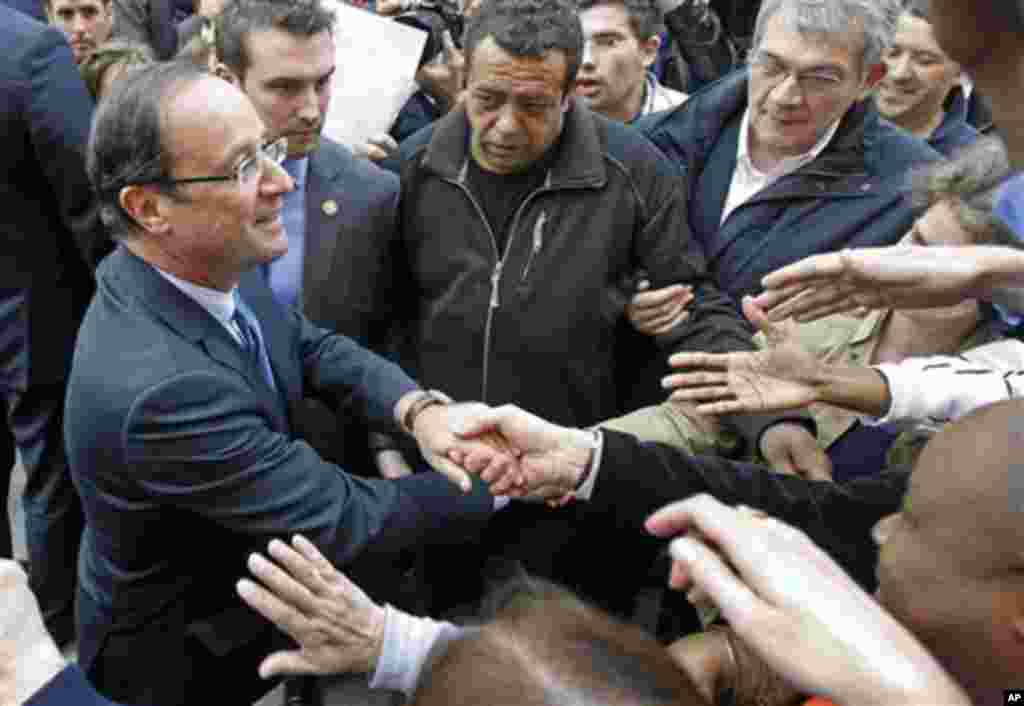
<point>756,316</point>
<point>815,465</point>
<point>653,299</point>
<point>699,361</point>
<point>313,555</point>
<point>278,612</point>
<point>284,664</point>
<point>810,269</point>
<point>456,474</point>
<point>295,590</point>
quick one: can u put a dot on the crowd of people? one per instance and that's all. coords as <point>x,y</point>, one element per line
<point>663,352</point>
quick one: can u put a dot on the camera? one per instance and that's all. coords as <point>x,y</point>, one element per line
<point>434,17</point>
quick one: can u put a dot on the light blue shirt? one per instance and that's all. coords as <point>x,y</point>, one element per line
<point>285,274</point>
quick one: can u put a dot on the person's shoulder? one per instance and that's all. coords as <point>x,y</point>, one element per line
<point>630,147</point>
<point>891,151</point>
<point>338,157</point>
<point>21,34</point>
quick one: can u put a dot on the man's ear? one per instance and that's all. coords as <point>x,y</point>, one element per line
<point>144,206</point>
<point>221,70</point>
<point>649,50</point>
<point>875,74</point>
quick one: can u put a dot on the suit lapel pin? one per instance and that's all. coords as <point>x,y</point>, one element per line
<point>330,207</point>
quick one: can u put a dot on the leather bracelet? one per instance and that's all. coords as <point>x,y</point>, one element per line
<point>426,398</point>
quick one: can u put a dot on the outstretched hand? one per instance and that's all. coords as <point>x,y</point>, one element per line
<point>337,627</point>
<point>782,376</point>
<point>551,458</point>
<point>899,276</point>
<point>792,604</point>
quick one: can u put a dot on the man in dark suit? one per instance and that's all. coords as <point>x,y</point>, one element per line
<point>45,285</point>
<point>341,216</point>
<point>182,396</point>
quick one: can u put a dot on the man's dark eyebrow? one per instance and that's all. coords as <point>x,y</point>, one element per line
<point>817,67</point>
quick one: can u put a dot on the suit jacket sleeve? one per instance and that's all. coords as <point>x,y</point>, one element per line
<point>635,479</point>
<point>69,688</point>
<point>59,113</point>
<point>205,443</point>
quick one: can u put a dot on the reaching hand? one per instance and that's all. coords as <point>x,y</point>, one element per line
<point>796,608</point>
<point>377,148</point>
<point>791,449</point>
<point>782,376</point>
<point>28,656</point>
<point>552,459</point>
<point>900,276</point>
<point>443,450</point>
<point>337,627</point>
<point>445,78</point>
<point>653,312</point>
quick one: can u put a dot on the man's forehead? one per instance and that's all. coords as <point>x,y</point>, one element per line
<point>811,48</point>
<point>492,67</point>
<point>277,53</point>
<point>609,17</point>
<point>77,4</point>
<point>208,119</point>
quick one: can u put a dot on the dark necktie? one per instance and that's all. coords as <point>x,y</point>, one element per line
<point>252,341</point>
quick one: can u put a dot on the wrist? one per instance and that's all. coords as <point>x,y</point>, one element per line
<point>414,404</point>
<point>584,443</point>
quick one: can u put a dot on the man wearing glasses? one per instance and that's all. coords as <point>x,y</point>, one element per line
<point>185,383</point>
<point>787,158</point>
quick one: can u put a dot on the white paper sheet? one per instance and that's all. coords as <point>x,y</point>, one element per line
<point>376,65</point>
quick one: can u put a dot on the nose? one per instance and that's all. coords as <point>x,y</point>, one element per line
<point>787,91</point>
<point>309,111</point>
<point>275,180</point>
<point>588,53</point>
<point>899,68</point>
<point>883,529</point>
<point>78,24</point>
<point>507,122</point>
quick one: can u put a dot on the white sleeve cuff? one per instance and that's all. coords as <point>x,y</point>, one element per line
<point>408,641</point>
<point>587,489</point>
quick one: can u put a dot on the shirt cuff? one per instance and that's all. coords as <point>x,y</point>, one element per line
<point>587,489</point>
<point>408,641</point>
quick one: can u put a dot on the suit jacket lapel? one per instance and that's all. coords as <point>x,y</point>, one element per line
<point>172,306</point>
<point>323,205</point>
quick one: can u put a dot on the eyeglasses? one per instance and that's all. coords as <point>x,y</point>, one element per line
<point>811,83</point>
<point>248,172</point>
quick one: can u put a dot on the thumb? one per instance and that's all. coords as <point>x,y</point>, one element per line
<point>284,663</point>
<point>476,421</point>
<point>773,331</point>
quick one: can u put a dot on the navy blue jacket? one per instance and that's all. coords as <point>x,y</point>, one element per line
<point>852,195</point>
<point>954,132</point>
<point>186,460</point>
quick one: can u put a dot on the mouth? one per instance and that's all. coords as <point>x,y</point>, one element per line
<point>587,88</point>
<point>889,92</point>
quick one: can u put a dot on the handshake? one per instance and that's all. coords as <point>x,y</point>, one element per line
<point>515,453</point>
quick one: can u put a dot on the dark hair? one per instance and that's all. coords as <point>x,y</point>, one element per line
<point>240,18</point>
<point>116,52</point>
<point>547,648</point>
<point>970,183</point>
<point>528,28</point>
<point>645,19</point>
<point>126,142</point>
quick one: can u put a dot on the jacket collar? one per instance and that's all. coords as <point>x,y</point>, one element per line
<point>580,160</point>
<point>133,277</point>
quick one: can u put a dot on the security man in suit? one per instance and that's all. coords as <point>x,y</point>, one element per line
<point>48,227</point>
<point>183,391</point>
<point>341,216</point>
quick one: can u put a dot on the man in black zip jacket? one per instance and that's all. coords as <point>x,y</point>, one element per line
<point>521,215</point>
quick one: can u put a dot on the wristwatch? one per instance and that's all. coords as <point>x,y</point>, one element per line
<point>424,399</point>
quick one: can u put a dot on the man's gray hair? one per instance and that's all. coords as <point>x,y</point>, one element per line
<point>877,18</point>
<point>126,145</point>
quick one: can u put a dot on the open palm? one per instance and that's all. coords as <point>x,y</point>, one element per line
<point>782,376</point>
